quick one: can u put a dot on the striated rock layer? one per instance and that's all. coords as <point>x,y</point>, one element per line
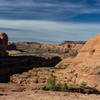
<point>3,43</point>
<point>63,50</point>
<point>85,68</point>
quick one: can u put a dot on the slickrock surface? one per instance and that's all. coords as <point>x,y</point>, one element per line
<point>85,68</point>
<point>3,43</point>
<point>73,45</point>
<point>64,63</point>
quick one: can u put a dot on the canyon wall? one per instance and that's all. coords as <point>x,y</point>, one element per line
<point>12,64</point>
<point>67,48</point>
<point>85,67</point>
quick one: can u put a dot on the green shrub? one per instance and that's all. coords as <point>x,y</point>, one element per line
<point>62,87</point>
<point>83,84</point>
<point>52,86</point>
<point>65,88</point>
<point>59,87</point>
<point>72,71</point>
<point>51,83</point>
<point>45,88</point>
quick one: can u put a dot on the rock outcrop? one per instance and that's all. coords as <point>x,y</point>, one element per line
<point>74,45</point>
<point>11,46</point>
<point>82,71</point>
<point>3,43</point>
<point>85,68</point>
<point>53,48</point>
<point>64,63</point>
<point>13,52</point>
<point>64,50</point>
<point>32,45</point>
<point>16,64</point>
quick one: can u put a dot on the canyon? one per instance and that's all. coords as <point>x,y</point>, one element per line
<point>82,70</point>
<point>28,66</point>
<point>18,57</point>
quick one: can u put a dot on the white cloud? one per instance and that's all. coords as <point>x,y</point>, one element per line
<point>49,30</point>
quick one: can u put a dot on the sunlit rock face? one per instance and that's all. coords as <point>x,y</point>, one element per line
<point>85,67</point>
<point>3,43</point>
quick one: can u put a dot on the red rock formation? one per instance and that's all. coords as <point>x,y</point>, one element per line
<point>70,48</point>
<point>85,67</point>
<point>3,43</point>
<point>16,64</point>
<point>73,45</point>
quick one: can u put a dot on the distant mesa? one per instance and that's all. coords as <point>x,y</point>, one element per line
<point>3,43</point>
<point>68,47</point>
<point>73,42</point>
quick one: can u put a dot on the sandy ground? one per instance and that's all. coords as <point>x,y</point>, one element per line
<point>12,92</point>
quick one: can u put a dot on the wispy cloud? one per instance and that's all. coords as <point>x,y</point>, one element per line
<point>48,30</point>
<point>49,19</point>
<point>45,9</point>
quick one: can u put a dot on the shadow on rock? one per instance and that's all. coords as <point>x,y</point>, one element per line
<point>17,64</point>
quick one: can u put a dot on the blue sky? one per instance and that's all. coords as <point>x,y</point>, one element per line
<point>50,21</point>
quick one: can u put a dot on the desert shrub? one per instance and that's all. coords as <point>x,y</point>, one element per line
<point>52,86</point>
<point>72,71</point>
<point>51,83</point>
<point>97,67</point>
<point>62,87</point>
<point>74,54</point>
<point>65,87</point>
<point>83,84</point>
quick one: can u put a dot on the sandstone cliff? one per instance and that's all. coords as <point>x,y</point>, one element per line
<point>85,68</point>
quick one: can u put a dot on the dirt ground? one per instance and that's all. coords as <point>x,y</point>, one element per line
<point>14,92</point>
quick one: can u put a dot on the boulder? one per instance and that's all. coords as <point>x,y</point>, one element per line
<point>11,46</point>
<point>13,52</point>
<point>3,43</point>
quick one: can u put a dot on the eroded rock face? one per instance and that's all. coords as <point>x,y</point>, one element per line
<point>64,63</point>
<point>63,50</point>
<point>73,45</point>
<point>85,68</point>
<point>3,43</point>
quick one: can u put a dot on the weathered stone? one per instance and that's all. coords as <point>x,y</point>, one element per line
<point>11,46</point>
<point>85,68</point>
<point>3,43</point>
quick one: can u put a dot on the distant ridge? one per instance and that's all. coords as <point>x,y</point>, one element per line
<point>73,42</point>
